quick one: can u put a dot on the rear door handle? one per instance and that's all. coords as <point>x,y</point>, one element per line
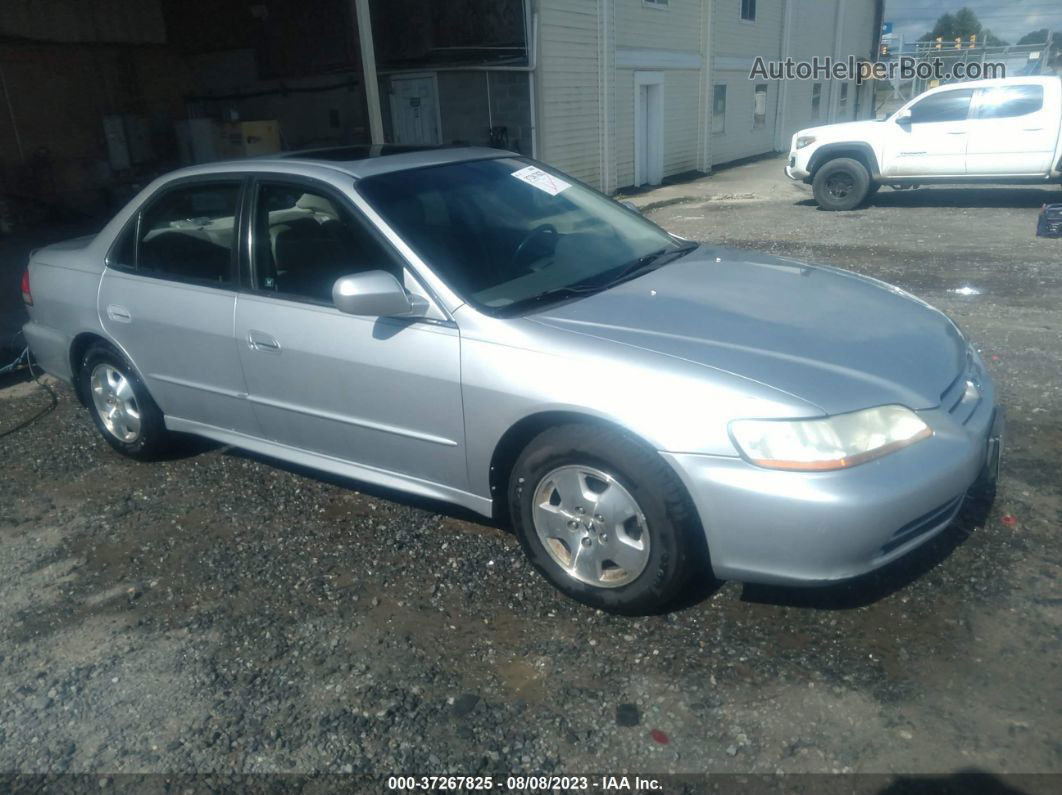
<point>957,132</point>
<point>119,313</point>
<point>1033,129</point>
<point>260,341</point>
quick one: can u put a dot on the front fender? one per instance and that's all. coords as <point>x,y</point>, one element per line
<point>511,371</point>
<point>861,150</point>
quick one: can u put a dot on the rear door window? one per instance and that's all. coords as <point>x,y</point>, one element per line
<point>187,234</point>
<point>1009,101</point>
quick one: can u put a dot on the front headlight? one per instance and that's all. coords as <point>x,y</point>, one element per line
<point>804,140</point>
<point>837,442</point>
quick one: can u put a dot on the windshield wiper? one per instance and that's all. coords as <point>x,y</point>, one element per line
<point>651,261</point>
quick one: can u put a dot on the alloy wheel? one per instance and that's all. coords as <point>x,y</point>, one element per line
<point>591,526</point>
<point>115,402</point>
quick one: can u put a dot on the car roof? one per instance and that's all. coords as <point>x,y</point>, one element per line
<point>1000,81</point>
<point>360,161</point>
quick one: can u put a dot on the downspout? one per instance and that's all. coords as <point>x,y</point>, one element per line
<point>707,88</point>
<point>838,37</point>
<point>368,71</point>
<point>605,78</point>
<point>532,61</point>
<point>780,124</point>
<point>11,115</point>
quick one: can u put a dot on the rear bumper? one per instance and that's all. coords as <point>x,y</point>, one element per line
<point>816,528</point>
<point>50,349</point>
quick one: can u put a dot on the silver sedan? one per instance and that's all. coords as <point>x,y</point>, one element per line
<point>472,326</point>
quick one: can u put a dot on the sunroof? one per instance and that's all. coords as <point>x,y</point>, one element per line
<point>361,152</point>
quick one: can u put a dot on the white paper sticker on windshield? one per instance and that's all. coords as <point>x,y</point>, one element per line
<point>538,178</point>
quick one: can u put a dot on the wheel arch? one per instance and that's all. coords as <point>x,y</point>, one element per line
<point>79,345</point>
<point>519,435</point>
<point>857,150</point>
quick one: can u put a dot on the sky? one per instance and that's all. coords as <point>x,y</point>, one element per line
<point>1008,19</point>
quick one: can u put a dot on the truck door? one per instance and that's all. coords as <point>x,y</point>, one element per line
<point>1013,131</point>
<point>931,140</point>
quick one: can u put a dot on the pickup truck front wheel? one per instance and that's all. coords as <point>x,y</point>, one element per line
<point>841,184</point>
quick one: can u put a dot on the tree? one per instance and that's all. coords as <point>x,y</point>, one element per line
<point>1041,36</point>
<point>1044,36</point>
<point>962,25</point>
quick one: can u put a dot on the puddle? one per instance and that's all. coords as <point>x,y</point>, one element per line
<point>965,290</point>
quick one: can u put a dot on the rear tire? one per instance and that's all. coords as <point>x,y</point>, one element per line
<point>604,519</point>
<point>124,412</point>
<point>841,184</point>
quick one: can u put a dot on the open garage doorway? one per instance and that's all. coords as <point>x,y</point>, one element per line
<point>648,128</point>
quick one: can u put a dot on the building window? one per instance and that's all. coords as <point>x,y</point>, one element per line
<point>655,3</point>
<point>759,113</point>
<point>719,109</point>
<point>748,10</point>
<point>816,100</point>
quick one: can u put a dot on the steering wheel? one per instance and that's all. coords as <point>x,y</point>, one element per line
<point>541,229</point>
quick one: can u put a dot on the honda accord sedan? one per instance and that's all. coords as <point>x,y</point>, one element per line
<point>472,326</point>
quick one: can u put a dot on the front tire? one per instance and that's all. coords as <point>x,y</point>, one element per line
<point>124,412</point>
<point>841,184</point>
<point>603,518</point>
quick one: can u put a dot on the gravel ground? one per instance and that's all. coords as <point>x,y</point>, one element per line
<point>218,612</point>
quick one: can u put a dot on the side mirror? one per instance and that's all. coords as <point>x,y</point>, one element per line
<point>903,118</point>
<point>373,294</point>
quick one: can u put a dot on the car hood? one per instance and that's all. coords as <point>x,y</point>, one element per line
<point>829,337</point>
<point>844,131</point>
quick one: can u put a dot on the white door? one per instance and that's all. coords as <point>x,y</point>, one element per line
<point>932,142</point>
<point>1013,131</point>
<point>648,128</point>
<point>414,110</point>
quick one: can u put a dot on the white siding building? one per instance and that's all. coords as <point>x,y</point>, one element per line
<point>629,92</point>
<point>618,93</point>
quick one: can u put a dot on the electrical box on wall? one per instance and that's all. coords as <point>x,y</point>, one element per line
<point>249,138</point>
<point>197,140</point>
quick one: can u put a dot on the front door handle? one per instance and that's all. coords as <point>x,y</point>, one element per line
<point>260,341</point>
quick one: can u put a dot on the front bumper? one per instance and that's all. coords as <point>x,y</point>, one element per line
<point>808,528</point>
<point>794,171</point>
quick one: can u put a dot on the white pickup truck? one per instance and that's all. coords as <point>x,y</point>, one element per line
<point>988,131</point>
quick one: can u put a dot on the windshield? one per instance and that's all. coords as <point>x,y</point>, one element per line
<point>507,234</point>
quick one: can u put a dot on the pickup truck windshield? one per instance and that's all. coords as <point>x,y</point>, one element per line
<point>508,235</point>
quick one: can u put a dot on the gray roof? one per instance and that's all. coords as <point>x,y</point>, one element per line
<point>367,161</point>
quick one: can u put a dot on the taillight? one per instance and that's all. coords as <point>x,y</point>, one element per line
<point>27,296</point>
